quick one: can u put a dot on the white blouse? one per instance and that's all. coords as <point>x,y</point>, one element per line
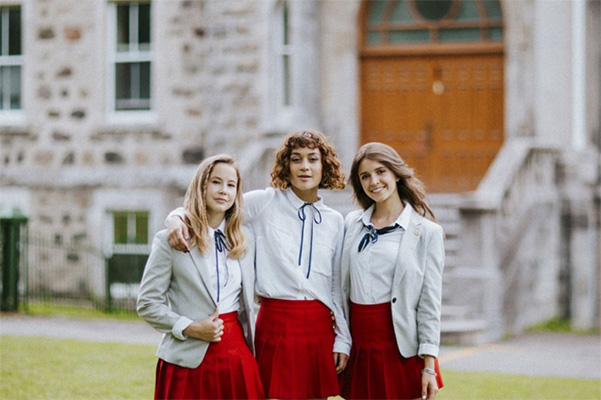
<point>372,269</point>
<point>226,289</point>
<point>298,252</point>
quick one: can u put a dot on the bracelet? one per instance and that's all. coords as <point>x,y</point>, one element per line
<point>429,371</point>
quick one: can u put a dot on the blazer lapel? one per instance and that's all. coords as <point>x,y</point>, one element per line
<point>203,271</point>
<point>407,248</point>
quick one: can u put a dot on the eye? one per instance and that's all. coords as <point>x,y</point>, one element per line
<point>364,177</point>
<point>314,159</point>
<point>295,159</point>
<point>232,185</point>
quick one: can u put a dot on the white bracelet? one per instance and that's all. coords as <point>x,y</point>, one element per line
<point>429,371</point>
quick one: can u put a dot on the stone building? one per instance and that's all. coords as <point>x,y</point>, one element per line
<point>107,107</point>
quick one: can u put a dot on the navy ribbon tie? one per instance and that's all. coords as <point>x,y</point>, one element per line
<point>303,217</point>
<point>373,233</point>
<point>220,247</point>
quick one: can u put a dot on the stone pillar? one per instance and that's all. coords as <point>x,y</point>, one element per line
<point>306,63</point>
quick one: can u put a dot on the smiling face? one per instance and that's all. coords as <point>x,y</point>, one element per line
<point>378,181</point>
<point>305,172</point>
<point>220,192</point>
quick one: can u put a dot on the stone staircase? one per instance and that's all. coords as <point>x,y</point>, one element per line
<point>460,322</point>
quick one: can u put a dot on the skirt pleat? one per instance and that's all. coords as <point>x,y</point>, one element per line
<point>294,346</point>
<point>227,371</point>
<point>376,369</point>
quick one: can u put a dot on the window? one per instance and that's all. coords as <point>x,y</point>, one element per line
<point>129,254</point>
<point>283,51</point>
<point>130,52</point>
<point>11,59</point>
<point>433,22</point>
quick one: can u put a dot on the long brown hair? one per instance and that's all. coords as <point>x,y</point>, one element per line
<point>196,209</point>
<point>332,175</point>
<point>410,188</point>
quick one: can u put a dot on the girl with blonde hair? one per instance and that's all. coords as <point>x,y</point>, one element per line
<point>203,300</point>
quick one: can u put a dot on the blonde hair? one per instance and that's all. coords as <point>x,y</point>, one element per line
<point>332,175</point>
<point>409,187</point>
<point>195,206</point>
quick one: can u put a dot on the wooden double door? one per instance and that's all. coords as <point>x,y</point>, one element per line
<point>442,113</point>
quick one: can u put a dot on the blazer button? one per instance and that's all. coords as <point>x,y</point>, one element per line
<point>394,300</point>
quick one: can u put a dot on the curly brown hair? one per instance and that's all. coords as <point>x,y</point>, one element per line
<point>332,175</point>
<point>410,188</point>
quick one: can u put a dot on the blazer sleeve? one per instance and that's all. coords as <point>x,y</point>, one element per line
<point>430,299</point>
<point>153,304</point>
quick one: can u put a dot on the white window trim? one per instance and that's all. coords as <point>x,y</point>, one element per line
<point>283,115</point>
<point>126,117</point>
<point>8,116</point>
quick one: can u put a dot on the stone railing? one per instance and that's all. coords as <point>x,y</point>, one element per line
<point>510,227</point>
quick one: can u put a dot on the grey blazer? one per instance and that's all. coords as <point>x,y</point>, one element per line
<point>172,295</point>
<point>416,286</point>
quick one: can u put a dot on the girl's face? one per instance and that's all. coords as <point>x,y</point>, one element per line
<point>305,172</point>
<point>221,190</point>
<point>378,182</point>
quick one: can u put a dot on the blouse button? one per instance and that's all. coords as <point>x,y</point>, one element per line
<point>394,299</point>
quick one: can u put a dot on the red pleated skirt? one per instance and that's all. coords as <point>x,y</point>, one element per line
<point>294,346</point>
<point>227,371</point>
<point>376,369</point>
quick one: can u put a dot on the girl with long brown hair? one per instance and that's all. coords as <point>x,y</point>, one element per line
<point>392,265</point>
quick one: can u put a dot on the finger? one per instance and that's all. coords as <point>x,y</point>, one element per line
<point>215,316</point>
<point>219,323</point>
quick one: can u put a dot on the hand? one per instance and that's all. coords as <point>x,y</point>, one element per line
<point>209,329</point>
<point>429,386</point>
<point>178,234</point>
<point>340,360</point>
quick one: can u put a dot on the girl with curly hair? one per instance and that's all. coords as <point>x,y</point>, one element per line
<point>392,263</point>
<point>302,339</point>
<point>203,301</point>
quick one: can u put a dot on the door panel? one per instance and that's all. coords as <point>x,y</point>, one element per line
<point>443,114</point>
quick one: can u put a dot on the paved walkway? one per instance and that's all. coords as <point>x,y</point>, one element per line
<point>536,354</point>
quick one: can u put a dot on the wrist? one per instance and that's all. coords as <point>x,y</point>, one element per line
<point>429,371</point>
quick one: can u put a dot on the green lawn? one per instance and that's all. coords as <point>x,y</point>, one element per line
<point>43,368</point>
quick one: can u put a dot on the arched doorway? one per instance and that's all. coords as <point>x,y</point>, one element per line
<point>432,85</point>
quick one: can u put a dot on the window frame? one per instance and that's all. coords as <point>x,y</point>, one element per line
<point>134,55</point>
<point>15,115</point>
<point>282,50</point>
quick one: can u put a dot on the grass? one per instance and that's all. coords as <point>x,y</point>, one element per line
<point>460,385</point>
<point>43,368</point>
<point>48,309</point>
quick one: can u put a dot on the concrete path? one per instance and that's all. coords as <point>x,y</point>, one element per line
<point>535,354</point>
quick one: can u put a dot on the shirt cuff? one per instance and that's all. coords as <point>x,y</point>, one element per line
<point>342,347</point>
<point>178,328</point>
<point>427,349</point>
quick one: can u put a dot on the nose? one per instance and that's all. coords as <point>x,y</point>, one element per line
<point>305,164</point>
<point>373,179</point>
